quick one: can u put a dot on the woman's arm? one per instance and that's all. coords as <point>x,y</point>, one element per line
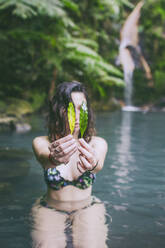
<point>92,155</point>
<point>40,147</point>
<point>55,153</point>
<point>100,147</point>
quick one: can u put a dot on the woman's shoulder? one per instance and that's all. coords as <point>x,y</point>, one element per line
<point>40,140</point>
<point>99,141</point>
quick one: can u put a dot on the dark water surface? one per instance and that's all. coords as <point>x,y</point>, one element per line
<point>132,183</point>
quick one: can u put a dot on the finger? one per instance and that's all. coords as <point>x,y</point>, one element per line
<point>51,148</point>
<point>87,154</point>
<point>85,163</point>
<point>65,159</point>
<point>68,150</point>
<point>63,139</point>
<point>80,168</point>
<point>72,151</point>
<point>54,144</point>
<point>58,146</point>
<point>60,158</point>
<point>85,145</point>
<point>57,150</point>
<point>68,144</point>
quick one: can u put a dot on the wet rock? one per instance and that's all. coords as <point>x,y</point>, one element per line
<point>12,113</point>
<point>7,123</point>
<point>22,127</point>
<point>12,123</point>
<point>159,105</point>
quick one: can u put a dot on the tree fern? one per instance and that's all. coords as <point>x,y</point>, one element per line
<point>92,62</point>
<point>26,9</point>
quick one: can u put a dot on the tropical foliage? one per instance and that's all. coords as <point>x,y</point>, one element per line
<point>46,42</point>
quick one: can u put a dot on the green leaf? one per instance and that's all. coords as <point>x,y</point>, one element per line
<point>71,5</point>
<point>83,118</point>
<point>71,117</point>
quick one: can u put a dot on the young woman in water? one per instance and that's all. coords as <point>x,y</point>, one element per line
<point>68,212</point>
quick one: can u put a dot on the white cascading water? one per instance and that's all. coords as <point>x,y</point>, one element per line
<point>128,78</point>
<point>128,92</point>
<point>129,39</point>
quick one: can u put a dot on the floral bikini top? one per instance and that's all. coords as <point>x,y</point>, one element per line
<point>55,181</point>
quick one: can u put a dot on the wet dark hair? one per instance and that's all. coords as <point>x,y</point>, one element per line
<point>58,125</point>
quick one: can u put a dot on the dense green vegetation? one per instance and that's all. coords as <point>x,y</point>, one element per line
<point>43,43</point>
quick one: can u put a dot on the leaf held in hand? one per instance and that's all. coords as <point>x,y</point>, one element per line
<point>83,118</point>
<point>71,117</point>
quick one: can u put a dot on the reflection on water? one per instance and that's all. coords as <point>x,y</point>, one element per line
<point>69,224</point>
<point>124,157</point>
<point>124,146</point>
<point>128,90</point>
<point>13,168</point>
<point>132,183</point>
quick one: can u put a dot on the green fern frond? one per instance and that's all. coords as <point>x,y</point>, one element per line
<point>109,68</point>
<point>82,50</point>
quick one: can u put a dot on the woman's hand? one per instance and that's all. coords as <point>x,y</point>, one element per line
<point>62,149</point>
<point>87,156</point>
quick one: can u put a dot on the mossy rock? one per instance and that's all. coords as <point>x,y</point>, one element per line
<point>13,123</point>
<point>18,107</point>
<point>15,107</point>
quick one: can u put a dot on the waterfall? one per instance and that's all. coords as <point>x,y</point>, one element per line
<point>128,78</point>
<point>129,43</point>
<point>128,92</point>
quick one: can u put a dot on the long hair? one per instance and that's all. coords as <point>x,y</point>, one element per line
<point>58,125</point>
